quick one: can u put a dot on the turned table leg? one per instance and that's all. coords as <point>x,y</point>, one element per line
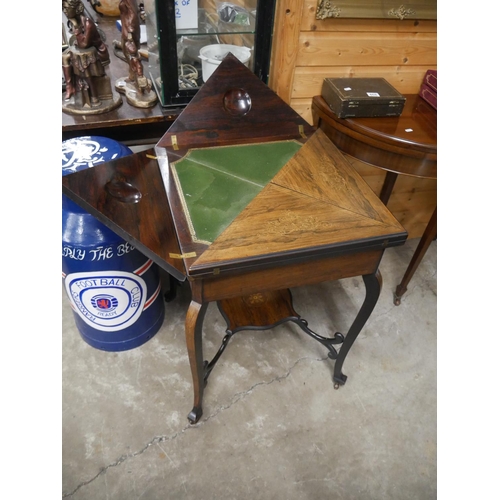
<point>193,331</point>
<point>429,235</point>
<point>388,186</point>
<point>373,285</point>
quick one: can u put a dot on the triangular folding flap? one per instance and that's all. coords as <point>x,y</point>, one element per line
<point>319,170</point>
<point>128,196</point>
<point>233,107</point>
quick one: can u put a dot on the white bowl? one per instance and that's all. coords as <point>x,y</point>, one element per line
<point>211,56</point>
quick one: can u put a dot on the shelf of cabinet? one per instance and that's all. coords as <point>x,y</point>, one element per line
<point>210,24</point>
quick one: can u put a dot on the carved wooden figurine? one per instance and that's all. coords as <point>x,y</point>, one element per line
<point>88,88</point>
<point>136,87</point>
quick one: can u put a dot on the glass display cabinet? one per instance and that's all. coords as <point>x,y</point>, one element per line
<point>187,39</point>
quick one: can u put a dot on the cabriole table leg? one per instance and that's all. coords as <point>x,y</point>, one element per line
<point>373,285</point>
<point>193,331</point>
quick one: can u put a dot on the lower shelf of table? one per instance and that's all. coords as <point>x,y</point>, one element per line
<point>262,311</point>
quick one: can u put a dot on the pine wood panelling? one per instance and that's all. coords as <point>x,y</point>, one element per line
<point>365,49</point>
<point>367,25</point>
<point>303,108</point>
<point>307,50</point>
<point>285,46</point>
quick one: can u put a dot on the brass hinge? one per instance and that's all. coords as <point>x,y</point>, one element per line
<point>182,255</point>
<point>174,142</point>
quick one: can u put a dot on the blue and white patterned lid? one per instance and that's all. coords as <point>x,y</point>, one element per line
<point>87,151</point>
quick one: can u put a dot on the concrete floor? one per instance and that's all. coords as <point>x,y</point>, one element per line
<point>273,426</point>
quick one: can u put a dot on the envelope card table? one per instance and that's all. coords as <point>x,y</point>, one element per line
<point>245,200</point>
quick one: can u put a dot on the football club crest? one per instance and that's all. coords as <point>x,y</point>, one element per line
<point>107,300</point>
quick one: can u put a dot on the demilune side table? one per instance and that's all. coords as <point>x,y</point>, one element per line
<point>244,200</point>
